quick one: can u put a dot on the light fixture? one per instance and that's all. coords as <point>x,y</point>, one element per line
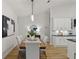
<point>48,1</point>
<point>32,16</point>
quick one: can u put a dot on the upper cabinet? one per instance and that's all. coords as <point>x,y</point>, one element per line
<point>61,24</point>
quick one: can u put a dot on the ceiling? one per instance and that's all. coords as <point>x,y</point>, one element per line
<point>24,8</point>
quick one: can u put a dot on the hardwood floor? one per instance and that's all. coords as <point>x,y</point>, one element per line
<point>56,52</point>
<point>50,52</point>
<point>13,54</point>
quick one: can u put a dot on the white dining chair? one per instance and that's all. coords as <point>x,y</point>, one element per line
<point>18,39</point>
<point>22,51</point>
<point>45,40</point>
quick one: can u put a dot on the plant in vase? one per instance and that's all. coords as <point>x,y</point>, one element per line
<point>32,34</point>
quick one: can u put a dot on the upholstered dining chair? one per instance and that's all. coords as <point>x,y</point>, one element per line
<point>43,47</point>
<point>22,51</point>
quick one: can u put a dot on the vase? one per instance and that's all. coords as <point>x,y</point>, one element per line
<point>32,38</point>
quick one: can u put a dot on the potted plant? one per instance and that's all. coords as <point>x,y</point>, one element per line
<point>32,34</point>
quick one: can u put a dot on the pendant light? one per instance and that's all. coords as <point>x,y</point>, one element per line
<point>32,16</point>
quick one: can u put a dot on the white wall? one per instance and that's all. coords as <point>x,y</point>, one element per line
<point>64,11</point>
<point>41,20</point>
<point>8,43</point>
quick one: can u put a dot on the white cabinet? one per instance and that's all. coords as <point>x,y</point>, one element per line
<point>61,23</point>
<point>59,41</point>
<point>71,50</point>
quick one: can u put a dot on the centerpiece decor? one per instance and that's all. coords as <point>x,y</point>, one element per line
<point>32,33</point>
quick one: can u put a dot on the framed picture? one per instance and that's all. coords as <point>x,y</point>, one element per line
<point>8,26</point>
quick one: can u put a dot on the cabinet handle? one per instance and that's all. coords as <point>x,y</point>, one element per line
<point>71,24</point>
<point>74,55</point>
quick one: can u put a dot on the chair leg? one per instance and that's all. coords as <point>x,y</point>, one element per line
<point>22,55</point>
<point>19,55</point>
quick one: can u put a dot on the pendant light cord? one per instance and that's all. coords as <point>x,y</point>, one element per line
<point>32,7</point>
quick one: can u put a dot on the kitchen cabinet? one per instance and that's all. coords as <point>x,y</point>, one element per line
<point>61,41</point>
<point>71,49</point>
<point>57,24</point>
<point>61,24</point>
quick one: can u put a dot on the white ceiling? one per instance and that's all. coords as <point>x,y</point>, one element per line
<point>23,7</point>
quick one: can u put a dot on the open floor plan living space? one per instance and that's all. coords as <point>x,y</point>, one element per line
<point>38,29</point>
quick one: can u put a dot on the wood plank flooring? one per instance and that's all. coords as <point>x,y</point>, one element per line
<point>56,52</point>
<point>50,52</point>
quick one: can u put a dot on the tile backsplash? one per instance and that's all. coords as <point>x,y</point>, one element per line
<point>65,32</point>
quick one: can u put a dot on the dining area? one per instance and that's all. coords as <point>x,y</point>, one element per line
<point>36,49</point>
<point>27,48</point>
<point>32,46</point>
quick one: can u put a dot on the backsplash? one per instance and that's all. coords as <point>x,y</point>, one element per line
<point>65,32</point>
